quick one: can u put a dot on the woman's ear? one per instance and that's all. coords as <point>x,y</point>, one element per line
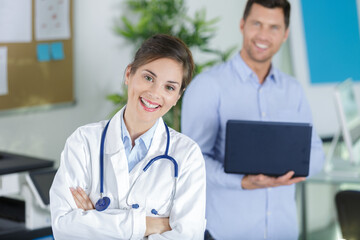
<point>127,74</point>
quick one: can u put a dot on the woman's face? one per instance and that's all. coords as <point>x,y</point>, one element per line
<point>153,89</point>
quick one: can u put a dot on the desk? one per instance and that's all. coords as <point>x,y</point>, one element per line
<point>14,163</point>
<point>335,179</point>
<point>13,212</point>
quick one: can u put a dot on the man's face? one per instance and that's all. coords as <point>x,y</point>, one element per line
<point>263,32</point>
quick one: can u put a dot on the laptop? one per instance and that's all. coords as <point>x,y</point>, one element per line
<point>270,148</point>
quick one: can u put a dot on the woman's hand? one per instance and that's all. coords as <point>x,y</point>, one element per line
<point>263,181</point>
<point>156,225</point>
<point>82,200</point>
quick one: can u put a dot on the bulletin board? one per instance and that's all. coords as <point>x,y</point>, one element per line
<point>35,83</point>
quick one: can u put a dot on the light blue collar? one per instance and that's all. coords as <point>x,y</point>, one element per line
<point>146,138</point>
<point>246,73</point>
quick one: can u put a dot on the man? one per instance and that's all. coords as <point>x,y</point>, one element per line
<point>248,87</point>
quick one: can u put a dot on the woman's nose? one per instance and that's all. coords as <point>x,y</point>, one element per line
<point>155,91</point>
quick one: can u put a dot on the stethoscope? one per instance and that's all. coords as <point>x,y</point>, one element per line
<point>104,202</point>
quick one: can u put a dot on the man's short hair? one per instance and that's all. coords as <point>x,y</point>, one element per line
<point>283,4</point>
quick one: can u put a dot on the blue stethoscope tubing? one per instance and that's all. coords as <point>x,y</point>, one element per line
<point>104,202</point>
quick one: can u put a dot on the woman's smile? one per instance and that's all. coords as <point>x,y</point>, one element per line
<point>148,105</point>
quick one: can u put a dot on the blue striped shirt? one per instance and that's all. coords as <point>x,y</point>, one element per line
<point>232,91</point>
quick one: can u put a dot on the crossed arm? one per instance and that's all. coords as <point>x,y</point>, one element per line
<point>153,225</point>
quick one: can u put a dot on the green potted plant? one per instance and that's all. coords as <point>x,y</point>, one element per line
<point>168,17</point>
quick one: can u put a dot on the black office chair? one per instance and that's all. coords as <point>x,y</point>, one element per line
<point>348,210</point>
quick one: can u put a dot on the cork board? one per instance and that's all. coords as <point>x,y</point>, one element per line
<point>34,83</point>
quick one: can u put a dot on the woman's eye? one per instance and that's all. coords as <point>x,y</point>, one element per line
<point>148,78</point>
<point>170,88</point>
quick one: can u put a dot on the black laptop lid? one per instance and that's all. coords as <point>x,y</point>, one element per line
<point>270,148</point>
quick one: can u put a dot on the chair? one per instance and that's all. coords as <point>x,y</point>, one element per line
<point>348,210</point>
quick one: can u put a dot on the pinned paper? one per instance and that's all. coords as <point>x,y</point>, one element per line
<point>57,51</point>
<point>3,71</point>
<point>15,21</point>
<point>43,52</point>
<point>52,20</point>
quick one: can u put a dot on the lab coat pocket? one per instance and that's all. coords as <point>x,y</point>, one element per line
<point>114,203</point>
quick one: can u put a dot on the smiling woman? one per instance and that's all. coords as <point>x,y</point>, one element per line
<point>150,179</point>
<point>152,90</point>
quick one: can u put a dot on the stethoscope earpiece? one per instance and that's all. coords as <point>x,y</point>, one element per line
<point>153,211</point>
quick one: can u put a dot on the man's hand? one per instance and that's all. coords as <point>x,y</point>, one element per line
<point>156,225</point>
<point>82,200</point>
<point>263,181</point>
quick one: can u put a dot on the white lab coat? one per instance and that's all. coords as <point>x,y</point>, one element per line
<point>80,167</point>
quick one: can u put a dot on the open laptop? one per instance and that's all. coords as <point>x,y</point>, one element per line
<point>270,148</point>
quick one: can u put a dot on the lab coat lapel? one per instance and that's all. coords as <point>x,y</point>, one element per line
<point>141,188</point>
<point>149,191</point>
<point>115,152</point>
<point>158,146</point>
<point>113,142</point>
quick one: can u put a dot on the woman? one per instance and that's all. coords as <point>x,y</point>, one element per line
<point>165,200</point>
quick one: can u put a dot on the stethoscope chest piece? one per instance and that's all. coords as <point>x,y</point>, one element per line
<point>102,204</point>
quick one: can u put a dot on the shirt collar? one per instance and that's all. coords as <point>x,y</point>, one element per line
<point>272,74</point>
<point>246,73</point>
<point>146,138</point>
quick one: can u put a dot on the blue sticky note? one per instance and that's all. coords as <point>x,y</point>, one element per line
<point>43,52</point>
<point>57,51</point>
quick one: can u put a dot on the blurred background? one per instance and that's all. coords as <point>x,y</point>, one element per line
<point>100,56</point>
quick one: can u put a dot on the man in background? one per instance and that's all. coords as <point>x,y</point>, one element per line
<point>249,87</point>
